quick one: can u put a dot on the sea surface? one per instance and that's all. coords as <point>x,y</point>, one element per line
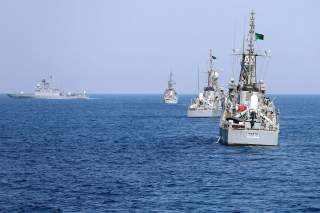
<point>131,153</point>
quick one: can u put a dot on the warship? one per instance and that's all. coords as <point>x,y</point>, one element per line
<point>208,103</point>
<point>44,91</point>
<point>249,117</point>
<point>170,95</point>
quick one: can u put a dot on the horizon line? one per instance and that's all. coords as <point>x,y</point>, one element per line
<point>138,93</point>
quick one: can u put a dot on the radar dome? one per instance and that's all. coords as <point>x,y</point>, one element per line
<point>215,75</point>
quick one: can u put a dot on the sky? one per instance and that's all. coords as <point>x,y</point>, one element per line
<point>130,46</point>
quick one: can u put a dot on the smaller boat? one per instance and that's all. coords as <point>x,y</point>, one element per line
<point>170,95</point>
<point>208,103</point>
<point>44,91</point>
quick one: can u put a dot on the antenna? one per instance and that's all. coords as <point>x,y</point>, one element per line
<point>243,41</point>
<point>171,82</point>
<point>233,51</point>
<point>251,33</point>
<point>248,64</point>
<point>198,79</point>
<point>210,70</point>
<point>242,60</point>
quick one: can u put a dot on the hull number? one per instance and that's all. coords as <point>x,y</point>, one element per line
<point>252,135</point>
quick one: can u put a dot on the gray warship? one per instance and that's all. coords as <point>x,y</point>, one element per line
<point>44,91</point>
<point>170,95</point>
<point>208,103</point>
<point>249,117</point>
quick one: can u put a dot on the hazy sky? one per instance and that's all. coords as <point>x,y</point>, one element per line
<point>118,46</point>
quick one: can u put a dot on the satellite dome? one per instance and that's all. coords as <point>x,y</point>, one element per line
<point>216,74</point>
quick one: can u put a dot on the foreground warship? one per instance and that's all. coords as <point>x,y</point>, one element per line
<point>44,91</point>
<point>249,117</point>
<point>208,103</point>
<point>170,95</point>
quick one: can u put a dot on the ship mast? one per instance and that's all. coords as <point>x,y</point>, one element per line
<point>170,82</point>
<point>248,63</point>
<point>210,69</point>
<point>198,79</point>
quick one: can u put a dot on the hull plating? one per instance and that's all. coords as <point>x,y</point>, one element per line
<point>248,137</point>
<point>203,113</point>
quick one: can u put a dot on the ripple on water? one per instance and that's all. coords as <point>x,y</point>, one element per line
<point>121,153</point>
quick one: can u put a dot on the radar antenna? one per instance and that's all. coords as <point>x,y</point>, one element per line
<point>248,63</point>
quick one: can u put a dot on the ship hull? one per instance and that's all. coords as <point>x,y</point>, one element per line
<point>59,97</point>
<point>203,113</point>
<point>19,96</point>
<point>170,101</point>
<point>24,96</point>
<point>248,137</point>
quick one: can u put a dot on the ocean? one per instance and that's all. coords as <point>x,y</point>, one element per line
<point>131,153</point>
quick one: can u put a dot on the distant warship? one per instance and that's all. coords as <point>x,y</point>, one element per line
<point>249,117</point>
<point>44,91</point>
<point>208,103</point>
<point>170,95</point>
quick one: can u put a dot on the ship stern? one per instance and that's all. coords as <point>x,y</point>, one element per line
<point>248,137</point>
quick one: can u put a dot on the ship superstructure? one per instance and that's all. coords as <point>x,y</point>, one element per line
<point>208,103</point>
<point>43,90</point>
<point>170,95</point>
<point>249,117</point>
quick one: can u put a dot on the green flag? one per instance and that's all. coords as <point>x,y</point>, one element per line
<point>259,36</point>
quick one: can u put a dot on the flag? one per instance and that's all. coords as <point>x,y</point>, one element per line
<point>259,36</point>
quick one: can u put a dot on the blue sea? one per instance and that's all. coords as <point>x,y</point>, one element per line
<point>131,153</point>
